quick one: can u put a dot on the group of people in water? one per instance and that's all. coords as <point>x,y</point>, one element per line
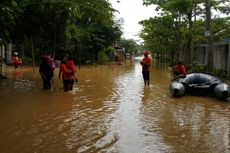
<point>67,72</point>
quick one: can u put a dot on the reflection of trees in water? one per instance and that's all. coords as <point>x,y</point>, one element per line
<point>193,128</point>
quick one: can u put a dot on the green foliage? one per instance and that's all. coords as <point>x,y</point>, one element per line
<point>9,10</point>
<point>196,67</point>
<point>159,34</point>
<point>80,28</point>
<point>129,44</point>
<point>182,26</point>
<point>220,73</point>
<point>103,58</point>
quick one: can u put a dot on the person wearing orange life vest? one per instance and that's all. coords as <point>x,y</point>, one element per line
<point>67,74</point>
<point>16,61</point>
<point>71,66</point>
<point>64,60</point>
<point>146,64</point>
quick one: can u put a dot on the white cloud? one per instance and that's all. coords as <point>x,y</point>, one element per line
<point>132,11</point>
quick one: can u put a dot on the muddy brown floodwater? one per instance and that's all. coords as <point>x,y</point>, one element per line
<point>109,111</point>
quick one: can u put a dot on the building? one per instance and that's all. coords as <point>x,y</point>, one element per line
<point>221,52</point>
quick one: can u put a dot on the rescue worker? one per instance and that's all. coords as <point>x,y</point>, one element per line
<point>179,71</point>
<point>71,66</point>
<point>16,61</point>
<point>67,74</point>
<point>146,63</point>
<point>46,72</point>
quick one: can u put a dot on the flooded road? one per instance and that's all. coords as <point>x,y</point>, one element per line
<point>109,111</point>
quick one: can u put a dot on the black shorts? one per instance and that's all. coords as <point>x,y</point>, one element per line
<point>68,81</point>
<point>145,75</point>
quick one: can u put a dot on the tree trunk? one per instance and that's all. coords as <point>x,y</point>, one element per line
<point>32,49</point>
<point>193,30</point>
<point>55,42</point>
<point>189,43</point>
<point>208,34</point>
<point>1,59</point>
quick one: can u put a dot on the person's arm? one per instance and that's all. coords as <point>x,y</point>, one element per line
<point>146,62</point>
<point>66,70</point>
<point>12,60</point>
<point>52,64</point>
<point>149,61</point>
<point>183,70</point>
<point>141,62</point>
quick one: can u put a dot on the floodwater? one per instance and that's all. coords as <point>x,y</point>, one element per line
<point>109,111</point>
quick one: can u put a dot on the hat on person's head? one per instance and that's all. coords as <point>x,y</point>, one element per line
<point>179,62</point>
<point>15,53</point>
<point>146,52</point>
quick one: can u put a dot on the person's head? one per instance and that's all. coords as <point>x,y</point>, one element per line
<point>15,54</point>
<point>45,59</point>
<point>179,62</point>
<point>65,58</point>
<point>70,58</point>
<point>146,53</point>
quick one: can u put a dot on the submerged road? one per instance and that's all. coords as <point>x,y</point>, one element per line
<point>111,111</point>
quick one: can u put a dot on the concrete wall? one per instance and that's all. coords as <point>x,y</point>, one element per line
<point>221,53</point>
<point>6,53</point>
<point>9,53</point>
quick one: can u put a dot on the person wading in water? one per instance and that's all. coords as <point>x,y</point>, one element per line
<point>67,70</point>
<point>146,63</point>
<point>16,61</point>
<point>46,72</point>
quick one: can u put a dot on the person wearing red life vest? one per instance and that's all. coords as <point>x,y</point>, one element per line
<point>180,70</point>
<point>146,64</point>
<point>16,61</point>
<point>71,66</point>
<point>67,74</point>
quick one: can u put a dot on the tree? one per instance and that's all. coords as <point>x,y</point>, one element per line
<point>160,40</point>
<point>208,34</point>
<point>130,45</point>
<point>184,14</point>
<point>181,11</point>
<point>80,28</point>
<point>9,12</point>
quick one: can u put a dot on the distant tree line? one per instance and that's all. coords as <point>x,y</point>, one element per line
<point>181,25</point>
<point>85,29</point>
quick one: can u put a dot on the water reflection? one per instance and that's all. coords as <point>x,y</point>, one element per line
<point>109,110</point>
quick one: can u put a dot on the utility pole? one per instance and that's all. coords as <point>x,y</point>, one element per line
<point>208,35</point>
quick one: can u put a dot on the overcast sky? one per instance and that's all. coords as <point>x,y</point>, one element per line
<point>132,11</point>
